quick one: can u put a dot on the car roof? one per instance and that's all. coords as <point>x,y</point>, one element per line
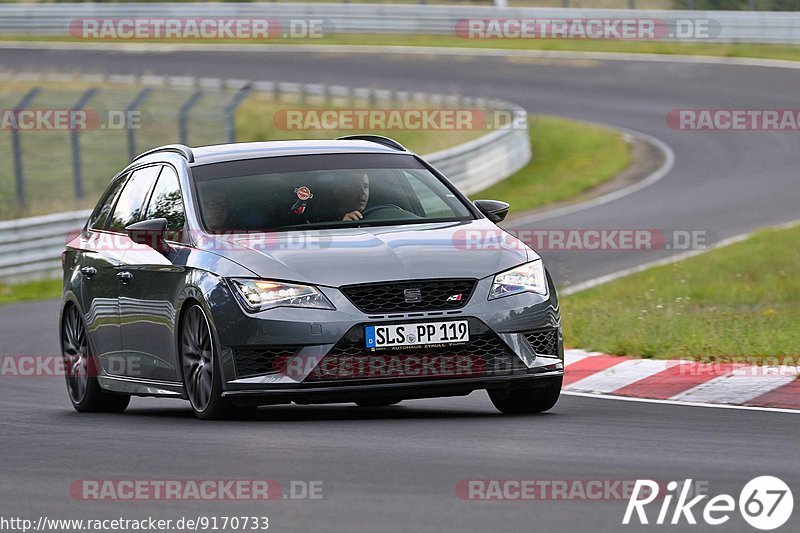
<point>218,153</point>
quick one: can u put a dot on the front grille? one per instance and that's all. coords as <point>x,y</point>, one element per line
<point>261,360</point>
<point>484,355</point>
<point>393,297</point>
<point>544,342</point>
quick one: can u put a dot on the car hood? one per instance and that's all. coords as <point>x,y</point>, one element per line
<point>473,249</point>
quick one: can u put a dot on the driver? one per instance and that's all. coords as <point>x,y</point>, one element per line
<point>352,194</point>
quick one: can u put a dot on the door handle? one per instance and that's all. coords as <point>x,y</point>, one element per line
<point>124,277</point>
<point>88,271</point>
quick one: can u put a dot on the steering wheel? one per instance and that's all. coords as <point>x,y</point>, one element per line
<point>386,211</point>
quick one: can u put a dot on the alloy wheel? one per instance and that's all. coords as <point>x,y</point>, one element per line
<point>197,358</point>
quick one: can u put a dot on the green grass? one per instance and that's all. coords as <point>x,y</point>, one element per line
<point>762,51</point>
<point>740,301</point>
<point>569,158</point>
<point>31,290</point>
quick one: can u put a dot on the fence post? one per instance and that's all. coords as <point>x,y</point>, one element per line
<point>183,115</point>
<point>77,170</point>
<point>230,111</point>
<point>137,101</point>
<point>302,93</point>
<point>17,149</point>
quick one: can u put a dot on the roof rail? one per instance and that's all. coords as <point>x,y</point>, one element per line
<point>181,149</point>
<point>379,139</point>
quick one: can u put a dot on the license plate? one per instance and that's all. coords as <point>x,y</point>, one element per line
<point>418,334</point>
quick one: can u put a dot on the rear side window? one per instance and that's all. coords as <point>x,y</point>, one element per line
<point>166,202</point>
<point>131,201</point>
<point>103,209</point>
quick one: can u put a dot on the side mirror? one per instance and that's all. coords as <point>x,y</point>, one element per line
<point>495,210</point>
<point>150,233</point>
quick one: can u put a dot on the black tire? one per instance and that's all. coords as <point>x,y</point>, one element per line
<point>526,401</point>
<point>81,368</point>
<point>378,402</point>
<point>200,369</point>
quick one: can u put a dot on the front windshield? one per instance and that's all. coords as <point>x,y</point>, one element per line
<point>337,190</point>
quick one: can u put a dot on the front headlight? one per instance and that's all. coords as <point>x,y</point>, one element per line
<point>529,277</point>
<point>261,294</point>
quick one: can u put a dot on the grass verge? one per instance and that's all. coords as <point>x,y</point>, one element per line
<point>30,290</point>
<point>738,301</point>
<point>569,158</point>
<point>761,51</point>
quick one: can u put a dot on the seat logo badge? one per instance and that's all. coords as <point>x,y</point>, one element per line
<point>412,295</point>
<point>454,298</point>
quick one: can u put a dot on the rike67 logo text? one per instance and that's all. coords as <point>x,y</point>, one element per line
<point>765,503</point>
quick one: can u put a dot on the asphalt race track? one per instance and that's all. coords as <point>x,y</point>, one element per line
<point>396,469</point>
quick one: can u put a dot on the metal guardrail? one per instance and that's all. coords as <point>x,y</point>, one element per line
<point>30,247</point>
<point>55,19</point>
<point>475,165</point>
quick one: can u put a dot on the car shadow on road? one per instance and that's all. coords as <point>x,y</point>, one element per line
<point>328,413</point>
<point>297,413</point>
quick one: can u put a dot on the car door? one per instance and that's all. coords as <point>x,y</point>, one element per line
<point>98,261</point>
<point>149,293</point>
<point>114,243</point>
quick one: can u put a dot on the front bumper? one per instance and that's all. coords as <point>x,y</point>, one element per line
<point>391,390</point>
<point>304,338</point>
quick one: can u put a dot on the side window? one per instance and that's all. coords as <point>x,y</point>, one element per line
<point>103,209</point>
<point>166,202</point>
<point>131,200</point>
